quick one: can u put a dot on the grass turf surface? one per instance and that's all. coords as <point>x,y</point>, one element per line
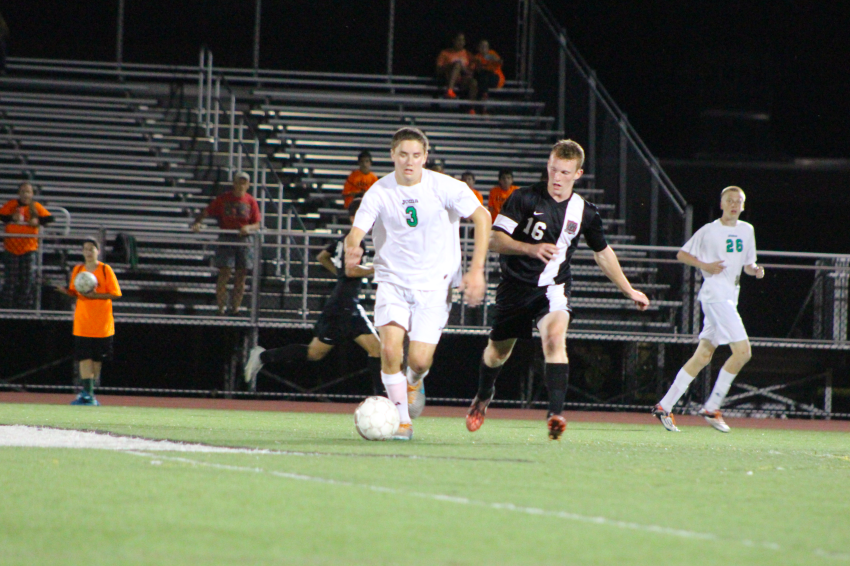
<point>604,494</point>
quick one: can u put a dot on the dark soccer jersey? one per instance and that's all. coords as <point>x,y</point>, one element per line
<point>532,216</point>
<point>347,289</point>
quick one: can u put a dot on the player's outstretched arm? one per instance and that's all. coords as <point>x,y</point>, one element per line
<point>353,251</point>
<point>754,270</point>
<point>324,259</point>
<point>714,268</point>
<point>610,266</point>
<point>473,284</point>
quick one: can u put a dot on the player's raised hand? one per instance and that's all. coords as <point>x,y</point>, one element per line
<point>352,260</point>
<point>714,267</point>
<point>641,300</point>
<point>473,287</point>
<point>543,252</point>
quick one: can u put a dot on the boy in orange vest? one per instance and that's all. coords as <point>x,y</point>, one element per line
<point>360,179</point>
<point>500,193</point>
<point>94,325</point>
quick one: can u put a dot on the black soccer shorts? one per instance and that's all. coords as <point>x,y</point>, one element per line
<point>520,306</point>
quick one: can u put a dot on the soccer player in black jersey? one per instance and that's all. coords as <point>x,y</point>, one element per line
<point>342,319</point>
<point>536,233</point>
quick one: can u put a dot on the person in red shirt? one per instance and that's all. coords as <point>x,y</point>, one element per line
<point>487,69</point>
<point>234,210</point>
<point>22,216</point>
<point>360,179</point>
<point>454,69</point>
<point>94,323</point>
<point>500,193</point>
<point>468,177</point>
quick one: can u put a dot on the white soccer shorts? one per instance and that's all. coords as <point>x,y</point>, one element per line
<point>722,324</point>
<point>422,313</point>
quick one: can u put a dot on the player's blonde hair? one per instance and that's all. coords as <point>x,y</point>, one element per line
<point>734,188</point>
<point>410,134</point>
<point>568,150</point>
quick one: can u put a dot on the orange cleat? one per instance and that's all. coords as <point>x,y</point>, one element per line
<point>475,416</point>
<point>450,93</point>
<point>557,425</point>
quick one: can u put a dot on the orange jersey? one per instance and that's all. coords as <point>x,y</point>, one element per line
<point>20,246</point>
<point>490,62</point>
<point>356,184</point>
<point>498,196</point>
<point>478,194</point>
<point>93,317</point>
<point>450,56</point>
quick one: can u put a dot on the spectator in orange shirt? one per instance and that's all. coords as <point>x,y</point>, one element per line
<point>22,216</point>
<point>360,179</point>
<point>468,177</point>
<point>234,210</point>
<point>487,69</point>
<point>500,193</point>
<point>454,69</point>
<point>94,324</point>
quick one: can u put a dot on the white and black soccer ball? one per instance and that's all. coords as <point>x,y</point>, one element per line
<point>376,418</point>
<point>85,282</point>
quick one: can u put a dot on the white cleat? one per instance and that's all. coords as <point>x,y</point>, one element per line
<point>715,419</point>
<point>253,365</point>
<point>666,418</point>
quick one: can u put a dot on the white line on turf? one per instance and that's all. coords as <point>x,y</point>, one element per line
<point>656,529</point>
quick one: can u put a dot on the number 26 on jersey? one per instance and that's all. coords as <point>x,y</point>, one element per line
<point>734,245</point>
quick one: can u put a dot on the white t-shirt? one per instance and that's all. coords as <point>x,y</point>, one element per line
<point>735,246</point>
<point>416,236</point>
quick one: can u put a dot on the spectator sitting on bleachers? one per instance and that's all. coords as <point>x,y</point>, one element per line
<point>360,179</point>
<point>234,210</point>
<point>468,177</point>
<point>500,193</point>
<point>454,69</point>
<point>21,215</point>
<point>487,69</point>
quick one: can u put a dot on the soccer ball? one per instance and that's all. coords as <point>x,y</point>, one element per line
<point>376,418</point>
<point>85,282</point>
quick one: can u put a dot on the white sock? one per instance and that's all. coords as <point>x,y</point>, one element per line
<point>396,385</point>
<point>721,388</point>
<point>680,385</point>
<point>414,378</point>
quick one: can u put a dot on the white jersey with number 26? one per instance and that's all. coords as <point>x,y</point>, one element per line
<point>735,246</point>
<point>417,243</point>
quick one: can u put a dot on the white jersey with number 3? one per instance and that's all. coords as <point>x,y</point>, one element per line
<point>416,237</point>
<point>735,246</point>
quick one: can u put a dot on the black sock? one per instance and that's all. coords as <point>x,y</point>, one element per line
<point>88,386</point>
<point>487,379</point>
<point>374,366</point>
<point>557,376</point>
<point>289,353</point>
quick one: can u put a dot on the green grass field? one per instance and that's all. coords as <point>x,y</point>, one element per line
<point>604,494</point>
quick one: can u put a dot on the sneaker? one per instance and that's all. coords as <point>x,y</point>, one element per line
<point>475,416</point>
<point>557,425</point>
<point>715,419</point>
<point>416,399</point>
<point>253,365</point>
<point>85,399</point>
<point>450,93</point>
<point>404,432</point>
<point>666,418</point>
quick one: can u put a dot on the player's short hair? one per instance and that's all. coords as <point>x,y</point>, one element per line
<point>503,172</point>
<point>733,188</point>
<point>93,241</point>
<point>467,174</point>
<point>354,206</point>
<point>410,134</point>
<point>568,150</point>
<point>364,153</point>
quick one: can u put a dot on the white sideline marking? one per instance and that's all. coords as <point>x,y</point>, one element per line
<point>656,529</point>
<point>37,437</point>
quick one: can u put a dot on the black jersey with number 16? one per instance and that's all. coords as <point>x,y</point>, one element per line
<point>532,216</point>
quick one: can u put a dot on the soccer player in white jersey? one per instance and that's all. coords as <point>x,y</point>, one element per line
<point>536,233</point>
<point>720,249</point>
<point>416,214</point>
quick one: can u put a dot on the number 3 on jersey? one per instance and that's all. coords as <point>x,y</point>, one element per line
<point>734,246</point>
<point>410,216</point>
<point>537,233</point>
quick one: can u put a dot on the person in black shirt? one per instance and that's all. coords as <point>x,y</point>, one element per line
<point>342,318</point>
<point>536,233</point>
